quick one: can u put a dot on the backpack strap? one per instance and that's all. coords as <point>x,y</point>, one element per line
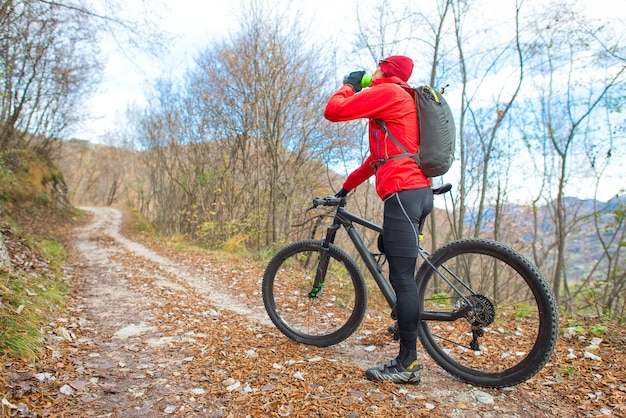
<point>406,153</point>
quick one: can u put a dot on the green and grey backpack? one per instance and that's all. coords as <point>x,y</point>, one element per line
<point>437,132</point>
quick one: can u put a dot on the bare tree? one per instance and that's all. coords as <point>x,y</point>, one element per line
<point>240,143</point>
<point>492,68</point>
<point>51,61</point>
<point>566,102</point>
<point>50,66</point>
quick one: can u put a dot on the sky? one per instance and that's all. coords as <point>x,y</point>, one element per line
<point>195,24</point>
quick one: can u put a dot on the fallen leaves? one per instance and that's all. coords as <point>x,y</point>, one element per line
<point>174,352</point>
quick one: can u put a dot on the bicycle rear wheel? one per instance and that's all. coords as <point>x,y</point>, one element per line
<point>490,317</point>
<point>320,314</point>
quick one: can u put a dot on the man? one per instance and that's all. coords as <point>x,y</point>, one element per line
<point>400,183</point>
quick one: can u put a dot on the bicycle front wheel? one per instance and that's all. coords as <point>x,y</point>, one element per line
<point>487,315</point>
<point>322,312</point>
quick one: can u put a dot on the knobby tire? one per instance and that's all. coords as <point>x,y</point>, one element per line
<point>326,318</point>
<point>511,332</point>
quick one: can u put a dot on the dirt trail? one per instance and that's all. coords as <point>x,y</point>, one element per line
<point>154,332</point>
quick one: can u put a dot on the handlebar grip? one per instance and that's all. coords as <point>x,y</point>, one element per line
<point>329,201</point>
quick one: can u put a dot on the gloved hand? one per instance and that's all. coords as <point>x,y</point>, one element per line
<point>342,193</point>
<point>354,79</point>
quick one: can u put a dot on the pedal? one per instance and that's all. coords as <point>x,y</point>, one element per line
<point>394,331</point>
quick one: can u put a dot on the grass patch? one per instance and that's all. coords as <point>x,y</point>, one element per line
<point>139,223</point>
<point>26,301</point>
<point>30,292</point>
<point>567,370</point>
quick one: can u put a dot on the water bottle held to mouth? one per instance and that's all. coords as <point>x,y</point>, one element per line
<point>366,80</point>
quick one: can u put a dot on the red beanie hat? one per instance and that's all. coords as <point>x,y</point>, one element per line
<point>397,65</point>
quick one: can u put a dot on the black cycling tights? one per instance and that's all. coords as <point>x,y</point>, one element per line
<point>404,212</point>
<point>402,278</point>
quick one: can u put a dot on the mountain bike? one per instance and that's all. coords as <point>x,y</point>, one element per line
<point>487,314</point>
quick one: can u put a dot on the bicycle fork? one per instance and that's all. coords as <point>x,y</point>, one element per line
<point>370,262</point>
<point>322,262</point>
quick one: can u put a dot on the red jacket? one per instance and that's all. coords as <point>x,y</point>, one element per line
<point>385,100</point>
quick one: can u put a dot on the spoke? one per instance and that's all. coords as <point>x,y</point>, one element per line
<point>452,342</point>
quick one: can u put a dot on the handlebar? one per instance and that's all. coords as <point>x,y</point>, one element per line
<point>341,201</point>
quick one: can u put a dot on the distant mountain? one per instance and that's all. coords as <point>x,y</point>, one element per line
<point>584,241</point>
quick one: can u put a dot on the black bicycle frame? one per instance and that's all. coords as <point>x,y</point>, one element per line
<point>347,220</point>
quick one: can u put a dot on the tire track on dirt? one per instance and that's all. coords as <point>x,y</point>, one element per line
<point>109,221</point>
<point>129,360</point>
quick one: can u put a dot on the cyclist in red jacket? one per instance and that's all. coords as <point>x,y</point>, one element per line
<point>400,183</point>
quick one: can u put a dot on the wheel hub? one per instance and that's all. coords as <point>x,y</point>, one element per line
<point>483,311</point>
